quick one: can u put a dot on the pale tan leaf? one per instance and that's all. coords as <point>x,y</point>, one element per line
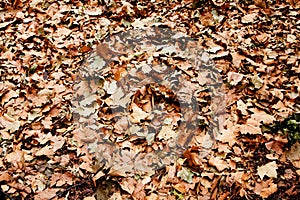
<point>249,18</point>
<point>89,198</point>
<point>268,170</point>
<point>138,114</point>
<point>45,151</point>
<point>234,78</point>
<point>218,163</point>
<point>128,185</point>
<point>166,133</point>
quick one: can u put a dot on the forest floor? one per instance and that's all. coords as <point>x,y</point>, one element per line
<point>236,139</point>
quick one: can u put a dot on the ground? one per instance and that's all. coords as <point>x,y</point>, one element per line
<point>47,49</point>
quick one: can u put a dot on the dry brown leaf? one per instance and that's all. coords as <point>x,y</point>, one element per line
<point>263,38</point>
<point>249,18</point>
<point>47,122</point>
<point>128,185</point>
<point>275,146</point>
<point>237,59</point>
<point>58,142</point>
<point>181,187</point>
<point>218,163</point>
<point>152,196</point>
<point>45,151</point>
<point>5,177</point>
<point>251,127</point>
<point>15,157</point>
<point>227,136</point>
<point>46,194</point>
<point>85,49</point>
<point>166,133</point>
<point>266,192</point>
<point>242,107</point>
<point>261,116</point>
<point>138,114</point>
<point>139,192</point>
<point>234,78</point>
<point>97,176</point>
<point>257,81</point>
<point>294,153</point>
<point>66,177</point>
<point>8,96</point>
<point>296,163</point>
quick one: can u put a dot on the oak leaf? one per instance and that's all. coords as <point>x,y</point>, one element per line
<point>218,163</point>
<point>268,170</point>
<point>265,188</point>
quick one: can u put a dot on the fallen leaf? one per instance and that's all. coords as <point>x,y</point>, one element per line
<point>5,177</point>
<point>85,49</point>
<point>97,176</point>
<point>266,192</point>
<point>181,187</point>
<point>291,38</point>
<point>15,157</point>
<point>185,174</point>
<point>45,151</point>
<point>294,153</point>
<point>261,116</point>
<point>166,133</point>
<point>5,24</point>
<point>138,114</point>
<point>251,127</point>
<point>46,194</point>
<point>257,81</point>
<point>128,185</point>
<point>275,146</point>
<point>218,163</point>
<point>242,107</point>
<point>227,136</point>
<point>152,196</point>
<point>89,198</point>
<point>234,78</point>
<point>237,59</point>
<point>249,18</point>
<point>268,170</point>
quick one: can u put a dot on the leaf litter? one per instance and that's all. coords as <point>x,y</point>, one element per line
<point>254,45</point>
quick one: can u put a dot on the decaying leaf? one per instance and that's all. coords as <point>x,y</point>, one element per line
<point>257,81</point>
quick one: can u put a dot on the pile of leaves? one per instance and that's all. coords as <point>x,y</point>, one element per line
<point>255,47</point>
